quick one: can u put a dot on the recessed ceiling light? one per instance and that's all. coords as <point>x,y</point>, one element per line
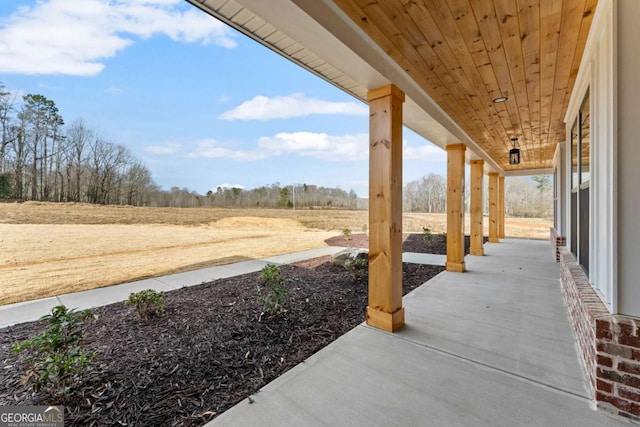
<point>500,99</point>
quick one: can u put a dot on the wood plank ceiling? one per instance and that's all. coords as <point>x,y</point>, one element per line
<point>466,53</point>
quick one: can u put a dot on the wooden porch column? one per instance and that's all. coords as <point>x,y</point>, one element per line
<point>476,209</point>
<point>385,310</point>
<point>455,207</point>
<point>493,207</point>
<point>501,206</point>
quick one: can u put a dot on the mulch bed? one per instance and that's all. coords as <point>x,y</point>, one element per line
<point>211,349</point>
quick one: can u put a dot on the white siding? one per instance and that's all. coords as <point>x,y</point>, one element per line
<point>610,71</point>
<point>603,197</point>
<point>628,156</point>
<point>598,76</point>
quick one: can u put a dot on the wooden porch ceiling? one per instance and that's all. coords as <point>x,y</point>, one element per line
<point>466,53</point>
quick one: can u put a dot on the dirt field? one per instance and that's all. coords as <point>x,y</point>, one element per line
<point>49,249</point>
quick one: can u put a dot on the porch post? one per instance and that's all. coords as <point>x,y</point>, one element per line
<point>493,207</point>
<point>477,228</point>
<point>384,310</point>
<point>455,207</point>
<point>501,206</point>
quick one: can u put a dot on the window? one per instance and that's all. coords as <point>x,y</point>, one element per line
<point>574,189</point>
<point>580,176</point>
<point>575,178</point>
<point>585,146</point>
<point>556,207</point>
<point>583,199</point>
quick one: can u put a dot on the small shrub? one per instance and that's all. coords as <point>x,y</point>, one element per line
<point>147,303</point>
<point>427,234</point>
<point>346,233</point>
<point>358,267</point>
<point>57,356</point>
<point>274,290</point>
<point>365,228</point>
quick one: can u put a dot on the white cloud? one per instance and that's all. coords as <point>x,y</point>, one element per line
<point>318,145</point>
<point>114,91</point>
<point>321,146</point>
<point>210,148</point>
<point>429,153</point>
<point>73,36</point>
<point>164,150</point>
<point>284,107</point>
<point>242,187</point>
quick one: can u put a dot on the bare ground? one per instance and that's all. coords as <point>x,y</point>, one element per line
<point>49,249</point>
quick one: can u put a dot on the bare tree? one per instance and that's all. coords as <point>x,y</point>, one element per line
<point>428,194</point>
<point>20,151</point>
<point>79,137</point>
<point>525,198</point>
<point>7,103</point>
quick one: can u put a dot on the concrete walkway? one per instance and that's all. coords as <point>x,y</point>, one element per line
<point>430,259</point>
<point>33,310</point>
<point>489,347</point>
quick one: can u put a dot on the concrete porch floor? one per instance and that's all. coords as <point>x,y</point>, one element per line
<point>489,347</point>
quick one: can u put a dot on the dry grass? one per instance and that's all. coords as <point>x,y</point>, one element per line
<point>49,249</point>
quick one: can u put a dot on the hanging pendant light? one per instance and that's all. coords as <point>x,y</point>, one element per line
<point>514,153</point>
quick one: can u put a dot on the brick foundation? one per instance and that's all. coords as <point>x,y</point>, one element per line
<point>556,243</point>
<point>609,344</point>
<point>618,365</point>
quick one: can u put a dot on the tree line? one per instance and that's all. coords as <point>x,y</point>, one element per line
<point>44,159</point>
<point>299,196</point>
<point>524,197</point>
<point>289,196</point>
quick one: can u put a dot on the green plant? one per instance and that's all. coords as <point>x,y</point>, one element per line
<point>346,233</point>
<point>274,290</point>
<point>427,234</point>
<point>147,303</point>
<point>359,267</point>
<point>5,185</point>
<point>57,356</point>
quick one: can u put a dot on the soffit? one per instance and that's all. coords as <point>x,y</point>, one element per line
<point>465,53</point>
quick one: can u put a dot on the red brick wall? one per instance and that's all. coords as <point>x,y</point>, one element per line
<point>584,307</point>
<point>609,344</point>
<point>556,243</point>
<point>618,365</point>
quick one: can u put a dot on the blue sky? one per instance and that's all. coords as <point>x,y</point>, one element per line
<point>200,104</point>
